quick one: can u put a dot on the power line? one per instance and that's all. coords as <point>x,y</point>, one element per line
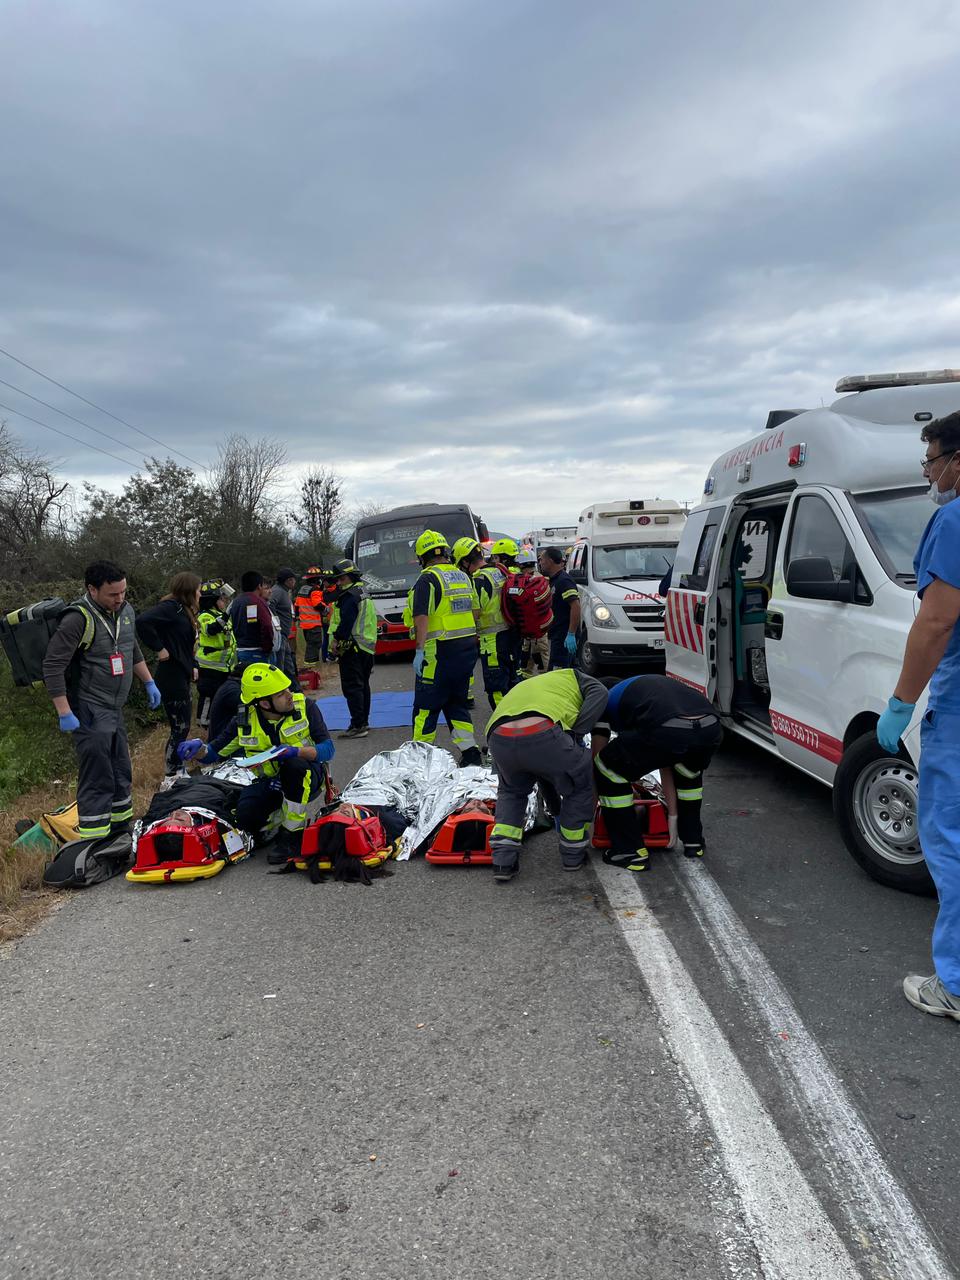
<point>66,434</point>
<point>106,434</point>
<point>100,409</point>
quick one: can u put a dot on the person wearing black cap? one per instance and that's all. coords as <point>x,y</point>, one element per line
<point>353,642</point>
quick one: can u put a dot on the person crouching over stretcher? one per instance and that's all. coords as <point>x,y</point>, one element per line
<point>660,724</point>
<point>271,717</point>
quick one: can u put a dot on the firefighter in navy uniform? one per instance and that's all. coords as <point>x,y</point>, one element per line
<point>497,648</point>
<point>444,610</point>
<point>353,642</point>
<point>271,716</point>
<point>660,724</point>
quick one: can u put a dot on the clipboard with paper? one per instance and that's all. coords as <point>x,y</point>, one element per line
<point>250,762</point>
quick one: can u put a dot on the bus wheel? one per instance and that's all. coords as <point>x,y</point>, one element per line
<point>875,804</point>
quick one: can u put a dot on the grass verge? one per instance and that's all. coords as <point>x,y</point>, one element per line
<point>24,901</point>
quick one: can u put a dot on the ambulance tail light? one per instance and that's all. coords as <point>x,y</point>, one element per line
<point>797,455</point>
<point>876,381</point>
<point>661,519</point>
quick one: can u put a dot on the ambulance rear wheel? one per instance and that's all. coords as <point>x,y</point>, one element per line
<point>875,804</point>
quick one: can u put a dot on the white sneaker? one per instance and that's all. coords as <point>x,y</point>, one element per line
<point>931,996</point>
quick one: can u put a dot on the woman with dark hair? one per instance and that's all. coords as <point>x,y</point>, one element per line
<point>170,628</point>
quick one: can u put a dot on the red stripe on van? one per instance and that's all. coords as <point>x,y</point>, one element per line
<point>692,684</point>
<point>821,744</point>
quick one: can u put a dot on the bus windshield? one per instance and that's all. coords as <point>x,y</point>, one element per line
<point>385,550</point>
<point>633,561</point>
<point>897,520</point>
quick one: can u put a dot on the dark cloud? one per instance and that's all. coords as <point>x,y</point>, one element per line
<point>530,252</point>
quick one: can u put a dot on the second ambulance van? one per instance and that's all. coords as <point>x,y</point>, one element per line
<point>793,591</point>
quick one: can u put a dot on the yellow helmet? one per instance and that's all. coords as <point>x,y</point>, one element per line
<point>262,680</point>
<point>463,548</point>
<point>504,547</point>
<point>429,541</point>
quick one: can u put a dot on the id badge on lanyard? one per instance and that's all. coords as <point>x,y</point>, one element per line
<point>117,667</point>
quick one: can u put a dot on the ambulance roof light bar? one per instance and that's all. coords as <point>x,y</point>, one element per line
<point>877,381</point>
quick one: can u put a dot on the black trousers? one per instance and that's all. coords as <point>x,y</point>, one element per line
<point>560,660</point>
<point>176,692</point>
<point>355,670</point>
<point>208,682</point>
<point>688,750</point>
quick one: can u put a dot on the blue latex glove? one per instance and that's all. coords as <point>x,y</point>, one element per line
<point>325,750</point>
<point>570,644</point>
<point>153,694</point>
<point>69,723</point>
<point>419,658</point>
<point>893,724</point>
<point>189,748</point>
<point>287,753</point>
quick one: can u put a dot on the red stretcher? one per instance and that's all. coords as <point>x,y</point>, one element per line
<point>653,818</point>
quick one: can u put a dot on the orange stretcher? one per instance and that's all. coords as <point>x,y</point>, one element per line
<point>464,839</point>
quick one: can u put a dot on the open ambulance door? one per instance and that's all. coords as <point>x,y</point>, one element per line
<point>691,618</point>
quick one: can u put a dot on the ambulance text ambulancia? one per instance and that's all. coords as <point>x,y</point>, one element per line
<point>793,592</point>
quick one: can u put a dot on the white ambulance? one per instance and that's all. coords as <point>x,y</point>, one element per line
<point>623,550</point>
<point>793,591</point>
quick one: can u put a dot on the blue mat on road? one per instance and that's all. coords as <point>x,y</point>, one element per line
<point>387,711</point>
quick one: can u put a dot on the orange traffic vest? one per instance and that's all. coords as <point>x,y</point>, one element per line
<point>310,609</point>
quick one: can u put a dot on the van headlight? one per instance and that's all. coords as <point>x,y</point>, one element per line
<point>600,613</point>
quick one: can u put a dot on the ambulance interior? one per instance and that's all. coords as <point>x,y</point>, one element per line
<point>746,584</point>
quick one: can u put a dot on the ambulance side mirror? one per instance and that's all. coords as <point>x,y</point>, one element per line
<point>812,578</point>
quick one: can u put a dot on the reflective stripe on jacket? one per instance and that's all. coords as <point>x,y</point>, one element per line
<point>252,738</point>
<point>452,616</point>
<point>216,651</point>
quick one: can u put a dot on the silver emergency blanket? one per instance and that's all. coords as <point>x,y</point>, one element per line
<point>229,771</point>
<point>425,784</point>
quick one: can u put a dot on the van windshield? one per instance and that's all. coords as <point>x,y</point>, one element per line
<point>633,560</point>
<point>385,551</point>
<point>897,521</point>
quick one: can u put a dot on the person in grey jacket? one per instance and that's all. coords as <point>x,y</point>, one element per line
<point>280,601</point>
<point>88,670</point>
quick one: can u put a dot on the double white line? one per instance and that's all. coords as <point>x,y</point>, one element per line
<point>792,1234</point>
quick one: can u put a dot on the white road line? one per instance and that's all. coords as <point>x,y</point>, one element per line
<point>877,1209</point>
<point>794,1238</point>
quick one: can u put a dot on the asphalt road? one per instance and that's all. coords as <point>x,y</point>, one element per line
<point>709,1074</point>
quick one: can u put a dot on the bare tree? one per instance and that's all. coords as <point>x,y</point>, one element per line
<point>321,501</point>
<point>244,479</point>
<point>31,505</point>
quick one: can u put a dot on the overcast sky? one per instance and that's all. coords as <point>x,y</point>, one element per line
<point>526,253</point>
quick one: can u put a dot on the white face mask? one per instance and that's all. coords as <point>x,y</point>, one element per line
<point>940,496</point>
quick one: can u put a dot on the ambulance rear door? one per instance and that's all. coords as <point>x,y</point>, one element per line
<point>692,612</point>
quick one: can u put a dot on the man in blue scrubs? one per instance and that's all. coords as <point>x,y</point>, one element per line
<point>933,655</point>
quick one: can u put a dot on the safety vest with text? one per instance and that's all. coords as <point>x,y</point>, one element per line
<point>252,738</point>
<point>451,617</point>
